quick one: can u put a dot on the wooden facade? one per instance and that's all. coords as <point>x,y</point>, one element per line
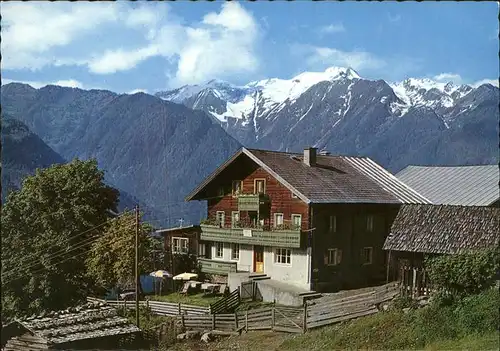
<point>328,235</point>
<point>423,231</point>
<point>246,171</point>
<point>352,233</point>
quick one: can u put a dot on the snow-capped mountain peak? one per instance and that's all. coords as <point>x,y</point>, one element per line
<point>429,93</point>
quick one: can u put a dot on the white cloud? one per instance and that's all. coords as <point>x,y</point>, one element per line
<point>324,56</point>
<point>113,61</point>
<point>220,45</point>
<point>71,83</point>
<point>448,77</point>
<point>332,28</point>
<point>31,29</point>
<point>457,79</point>
<point>485,81</point>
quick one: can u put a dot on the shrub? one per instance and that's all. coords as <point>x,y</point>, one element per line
<point>479,313</point>
<point>464,274</point>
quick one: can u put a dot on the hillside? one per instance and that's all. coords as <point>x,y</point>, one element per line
<point>414,121</point>
<point>22,153</point>
<point>154,150</point>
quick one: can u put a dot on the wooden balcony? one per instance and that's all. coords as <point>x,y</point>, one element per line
<point>217,267</point>
<point>252,236</point>
<point>252,202</point>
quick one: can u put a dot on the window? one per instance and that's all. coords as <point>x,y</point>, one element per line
<point>333,224</point>
<point>334,257</point>
<point>367,255</point>
<point>278,219</point>
<point>297,220</point>
<point>235,218</point>
<point>201,250</point>
<point>237,187</point>
<point>180,245</point>
<point>283,256</point>
<point>219,250</point>
<point>369,223</point>
<point>259,186</point>
<point>235,252</point>
<point>220,217</point>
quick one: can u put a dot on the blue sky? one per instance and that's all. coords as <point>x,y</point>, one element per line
<point>129,46</point>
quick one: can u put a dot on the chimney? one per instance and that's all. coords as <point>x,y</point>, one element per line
<point>310,156</point>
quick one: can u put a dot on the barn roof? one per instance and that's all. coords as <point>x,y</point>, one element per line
<point>89,321</point>
<point>444,229</point>
<point>333,179</point>
<point>454,185</point>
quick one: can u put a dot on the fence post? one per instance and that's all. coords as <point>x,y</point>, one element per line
<point>273,317</point>
<point>179,307</point>
<point>213,321</point>
<point>147,303</point>
<point>235,321</point>
<point>182,321</point>
<point>304,327</point>
<point>414,282</point>
<point>246,321</point>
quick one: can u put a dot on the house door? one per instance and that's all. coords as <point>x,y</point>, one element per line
<point>258,259</point>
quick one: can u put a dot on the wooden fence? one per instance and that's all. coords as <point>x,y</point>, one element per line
<point>315,313</point>
<point>414,281</point>
<point>343,307</point>
<point>158,307</point>
<point>277,318</point>
<point>226,304</point>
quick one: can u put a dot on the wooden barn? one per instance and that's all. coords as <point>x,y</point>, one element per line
<point>312,220</point>
<point>426,230</point>
<point>87,327</point>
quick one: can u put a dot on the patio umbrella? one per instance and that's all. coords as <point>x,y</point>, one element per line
<point>185,276</point>
<point>161,274</point>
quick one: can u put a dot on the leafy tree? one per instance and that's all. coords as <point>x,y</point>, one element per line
<point>112,258</point>
<point>47,228</point>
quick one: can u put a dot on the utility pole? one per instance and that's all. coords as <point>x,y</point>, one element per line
<point>137,281</point>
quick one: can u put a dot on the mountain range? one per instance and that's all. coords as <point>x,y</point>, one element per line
<point>156,149</point>
<point>414,121</point>
<point>150,149</point>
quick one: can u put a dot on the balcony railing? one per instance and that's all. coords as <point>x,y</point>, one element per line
<point>282,236</point>
<point>252,202</point>
<point>217,267</point>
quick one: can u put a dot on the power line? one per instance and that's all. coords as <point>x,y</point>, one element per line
<point>63,251</point>
<point>79,245</point>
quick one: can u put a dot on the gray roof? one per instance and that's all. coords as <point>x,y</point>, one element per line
<point>89,321</point>
<point>444,229</point>
<point>333,179</point>
<point>454,185</point>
